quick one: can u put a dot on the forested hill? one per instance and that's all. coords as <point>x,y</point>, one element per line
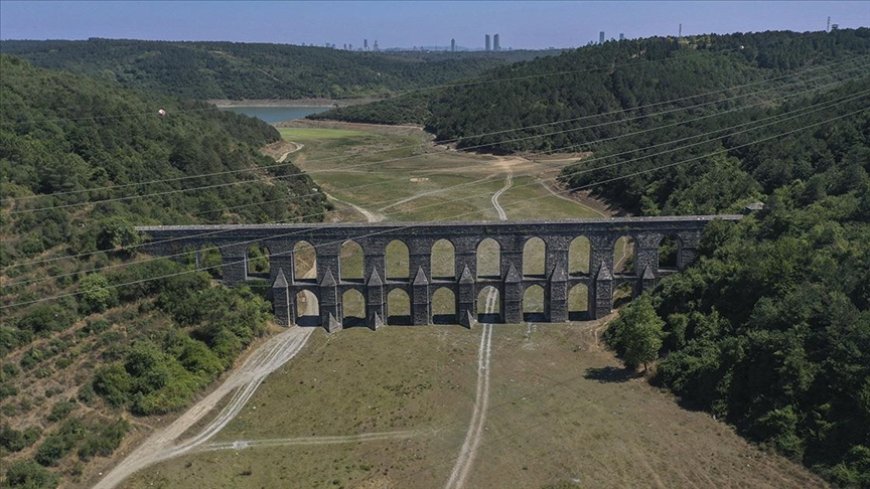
<point>615,76</point>
<point>223,70</point>
<point>81,162</point>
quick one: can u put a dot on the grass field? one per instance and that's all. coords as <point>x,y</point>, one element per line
<point>561,410</point>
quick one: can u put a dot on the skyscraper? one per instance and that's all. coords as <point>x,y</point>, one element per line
<point>488,43</point>
<point>495,43</point>
<point>621,36</point>
<point>601,37</point>
<point>365,44</point>
<point>453,45</point>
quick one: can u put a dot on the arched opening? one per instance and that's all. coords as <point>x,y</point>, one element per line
<point>579,254</point>
<point>397,258</point>
<point>533,304</point>
<point>488,259</point>
<point>307,308</point>
<point>398,307</point>
<point>489,305</point>
<point>258,261</point>
<point>353,309</point>
<point>623,255</point>
<point>304,261</point>
<point>443,306</point>
<point>535,257</point>
<point>443,258</point>
<point>669,248</point>
<point>622,294</point>
<point>212,261</point>
<point>578,303</point>
<point>351,261</point>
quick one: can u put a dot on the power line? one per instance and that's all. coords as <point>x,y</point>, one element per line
<point>800,112</point>
<point>550,151</point>
<point>305,174</point>
<point>449,141</point>
<point>411,225</point>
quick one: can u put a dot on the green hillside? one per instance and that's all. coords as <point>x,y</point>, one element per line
<point>224,70</point>
<point>91,331</point>
<point>613,77</point>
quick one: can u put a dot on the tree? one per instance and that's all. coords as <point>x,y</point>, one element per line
<point>638,333</point>
<point>97,296</point>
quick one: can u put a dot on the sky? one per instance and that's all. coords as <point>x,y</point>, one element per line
<point>532,25</point>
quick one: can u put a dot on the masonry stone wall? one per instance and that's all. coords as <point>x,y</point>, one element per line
<point>328,287</point>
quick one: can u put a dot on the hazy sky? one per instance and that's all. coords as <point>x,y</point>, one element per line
<point>521,24</point>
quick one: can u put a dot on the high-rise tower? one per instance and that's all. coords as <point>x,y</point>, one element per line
<point>495,44</point>
<point>365,44</point>
<point>453,45</point>
<point>601,37</point>
<point>488,43</point>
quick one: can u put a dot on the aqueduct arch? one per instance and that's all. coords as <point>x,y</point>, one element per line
<point>324,283</point>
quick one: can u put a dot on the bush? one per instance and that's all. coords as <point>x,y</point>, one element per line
<point>103,440</point>
<point>59,444</point>
<point>113,383</point>
<point>96,295</point>
<point>47,317</point>
<point>14,440</point>
<point>27,474</point>
<point>61,410</point>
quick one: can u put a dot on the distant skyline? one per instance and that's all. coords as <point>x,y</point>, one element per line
<point>521,25</point>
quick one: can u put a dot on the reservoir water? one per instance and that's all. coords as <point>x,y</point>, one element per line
<point>277,114</point>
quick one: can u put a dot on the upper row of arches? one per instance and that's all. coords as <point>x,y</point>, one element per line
<point>443,259</point>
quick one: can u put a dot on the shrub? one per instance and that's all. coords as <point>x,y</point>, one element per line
<point>103,440</point>
<point>96,295</point>
<point>27,474</point>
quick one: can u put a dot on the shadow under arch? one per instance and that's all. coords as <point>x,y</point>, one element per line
<point>533,304</point>
<point>489,305</point>
<point>578,303</point>
<point>398,308</point>
<point>353,309</point>
<point>307,309</point>
<point>444,306</point>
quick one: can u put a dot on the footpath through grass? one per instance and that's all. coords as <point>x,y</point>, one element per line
<point>561,409</point>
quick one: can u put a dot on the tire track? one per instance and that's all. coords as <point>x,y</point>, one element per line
<point>162,445</point>
<point>310,440</point>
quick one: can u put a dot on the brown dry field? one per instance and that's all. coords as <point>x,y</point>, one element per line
<point>562,409</point>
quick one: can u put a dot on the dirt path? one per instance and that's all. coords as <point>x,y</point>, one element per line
<point>468,452</point>
<point>569,199</point>
<point>481,402</point>
<point>369,215</point>
<point>311,440</point>
<point>284,156</point>
<point>432,192</point>
<point>161,445</point>
<point>508,183</point>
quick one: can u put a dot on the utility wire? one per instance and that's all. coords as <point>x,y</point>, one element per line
<point>800,113</point>
<point>412,225</point>
<point>469,183</point>
<point>479,146</point>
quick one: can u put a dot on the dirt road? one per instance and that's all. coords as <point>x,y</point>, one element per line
<point>369,215</point>
<point>508,183</point>
<point>161,445</point>
<point>467,453</point>
<point>284,156</point>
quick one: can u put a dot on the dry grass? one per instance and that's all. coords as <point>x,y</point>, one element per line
<point>561,409</point>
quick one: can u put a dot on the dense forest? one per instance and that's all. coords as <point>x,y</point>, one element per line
<point>563,95</point>
<point>81,163</point>
<point>224,70</point>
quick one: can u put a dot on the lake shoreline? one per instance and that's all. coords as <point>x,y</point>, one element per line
<point>295,102</point>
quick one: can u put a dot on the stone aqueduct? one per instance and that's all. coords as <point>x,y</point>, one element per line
<point>465,283</point>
